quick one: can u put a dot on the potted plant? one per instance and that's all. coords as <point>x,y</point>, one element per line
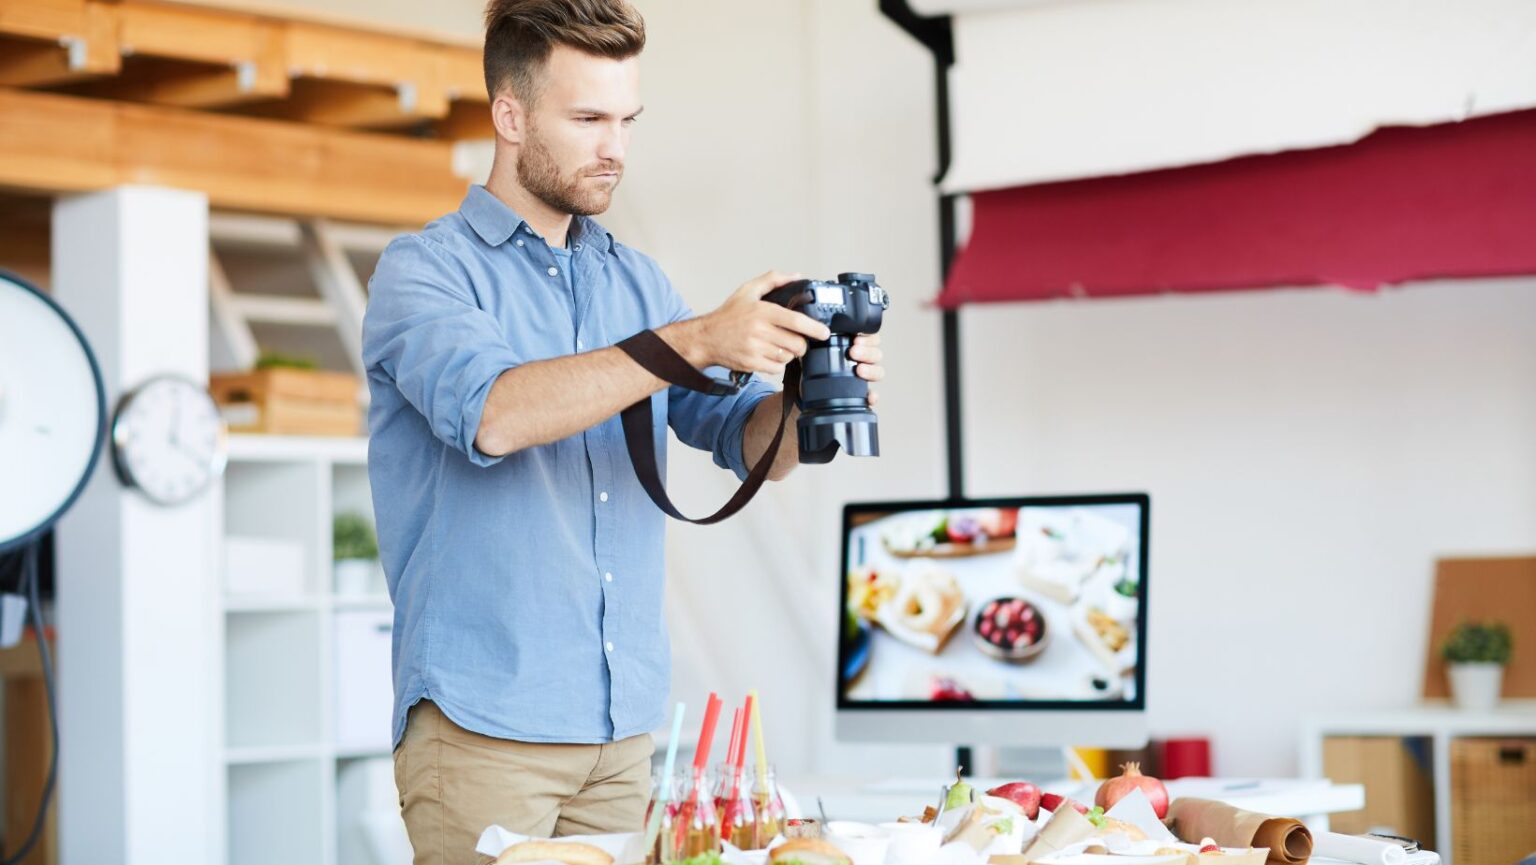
<point>1475,654</point>
<point>1121,603</point>
<point>355,549</point>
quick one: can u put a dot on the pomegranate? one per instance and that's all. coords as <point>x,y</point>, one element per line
<point>1115,789</point>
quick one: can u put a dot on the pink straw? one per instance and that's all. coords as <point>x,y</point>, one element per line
<point>731,753</point>
<point>741,744</point>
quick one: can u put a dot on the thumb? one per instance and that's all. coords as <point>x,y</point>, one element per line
<point>761,285</point>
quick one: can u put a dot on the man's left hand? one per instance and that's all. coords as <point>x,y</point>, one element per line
<point>866,355</point>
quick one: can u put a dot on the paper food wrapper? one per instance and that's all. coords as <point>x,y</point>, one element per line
<point>1365,851</point>
<point>1289,842</point>
<point>627,848</point>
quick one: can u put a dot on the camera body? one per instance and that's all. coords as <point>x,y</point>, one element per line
<point>834,402</point>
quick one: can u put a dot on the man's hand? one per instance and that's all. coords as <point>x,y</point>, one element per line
<point>866,355</point>
<point>748,335</point>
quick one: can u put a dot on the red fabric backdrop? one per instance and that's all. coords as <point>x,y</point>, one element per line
<point>1404,203</point>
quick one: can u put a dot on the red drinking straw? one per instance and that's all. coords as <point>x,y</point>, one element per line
<point>707,732</point>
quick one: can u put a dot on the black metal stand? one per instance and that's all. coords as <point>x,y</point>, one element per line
<point>937,34</point>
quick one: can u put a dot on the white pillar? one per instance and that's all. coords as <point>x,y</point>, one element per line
<point>140,770</point>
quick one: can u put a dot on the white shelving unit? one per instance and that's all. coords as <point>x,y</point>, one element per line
<point>279,747</point>
<point>1438,722</point>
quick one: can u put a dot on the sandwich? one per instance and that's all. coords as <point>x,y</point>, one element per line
<point>569,852</point>
<point>807,851</point>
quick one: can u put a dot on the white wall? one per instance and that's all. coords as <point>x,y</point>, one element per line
<point>1309,454</point>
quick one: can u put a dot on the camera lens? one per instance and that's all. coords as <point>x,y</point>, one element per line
<point>834,405</point>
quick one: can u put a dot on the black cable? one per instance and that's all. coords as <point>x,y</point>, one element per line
<point>30,580</point>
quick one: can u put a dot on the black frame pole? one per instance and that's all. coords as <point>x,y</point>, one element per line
<point>937,34</point>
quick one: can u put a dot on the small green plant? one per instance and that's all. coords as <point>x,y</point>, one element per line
<point>278,360</point>
<point>1478,642</point>
<point>352,538</point>
<point>1127,587</point>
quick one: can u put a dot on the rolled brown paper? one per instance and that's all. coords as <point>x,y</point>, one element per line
<point>1289,842</point>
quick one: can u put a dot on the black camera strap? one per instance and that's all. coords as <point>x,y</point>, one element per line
<point>661,360</point>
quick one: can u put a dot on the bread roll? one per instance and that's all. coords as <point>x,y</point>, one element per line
<point>808,851</point>
<point>569,852</point>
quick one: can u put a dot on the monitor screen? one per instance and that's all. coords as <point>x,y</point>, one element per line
<point>1019,603</point>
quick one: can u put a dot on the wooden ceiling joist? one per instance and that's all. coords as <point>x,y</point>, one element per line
<point>56,143</point>
<point>211,58</point>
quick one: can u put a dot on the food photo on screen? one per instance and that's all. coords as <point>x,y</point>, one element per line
<point>1027,603</point>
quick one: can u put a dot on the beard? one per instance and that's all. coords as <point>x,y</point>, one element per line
<point>578,193</point>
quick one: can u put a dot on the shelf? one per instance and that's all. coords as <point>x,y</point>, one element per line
<point>347,450</point>
<point>1512,718</point>
<point>278,812</point>
<point>275,754</point>
<point>273,603</point>
<point>273,693</point>
<point>362,602</point>
<point>363,753</point>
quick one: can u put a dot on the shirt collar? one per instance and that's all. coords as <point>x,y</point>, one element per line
<point>495,222</point>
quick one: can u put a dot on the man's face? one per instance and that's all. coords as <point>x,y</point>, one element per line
<point>572,152</point>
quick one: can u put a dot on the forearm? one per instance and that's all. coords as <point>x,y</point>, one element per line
<point>758,434</point>
<point>548,400</point>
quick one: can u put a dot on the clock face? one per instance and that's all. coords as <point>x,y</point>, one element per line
<point>168,440</point>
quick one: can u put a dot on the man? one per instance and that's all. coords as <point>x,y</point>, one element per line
<point>524,558</point>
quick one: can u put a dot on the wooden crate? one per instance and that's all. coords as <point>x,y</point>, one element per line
<point>1399,792</point>
<point>1493,800</point>
<point>289,402</point>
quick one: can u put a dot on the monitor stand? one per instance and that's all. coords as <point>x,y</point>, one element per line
<point>1015,763</point>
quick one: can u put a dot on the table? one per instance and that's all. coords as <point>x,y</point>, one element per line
<point>1310,800</point>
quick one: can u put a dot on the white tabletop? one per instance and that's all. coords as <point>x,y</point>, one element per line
<point>883,800</point>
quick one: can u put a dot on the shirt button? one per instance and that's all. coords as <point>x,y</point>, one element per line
<point>554,271</point>
<point>580,344</point>
<point>518,241</point>
<point>578,247</point>
<point>608,577</point>
<point>602,497</point>
<point>608,646</point>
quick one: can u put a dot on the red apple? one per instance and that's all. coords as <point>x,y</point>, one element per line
<point>1051,801</point>
<point>1022,793</point>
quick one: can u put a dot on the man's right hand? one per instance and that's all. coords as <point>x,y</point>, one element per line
<point>747,335</point>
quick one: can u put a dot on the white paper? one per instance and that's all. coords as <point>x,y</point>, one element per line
<point>1353,848</point>
<point>1136,809</point>
<point>626,848</point>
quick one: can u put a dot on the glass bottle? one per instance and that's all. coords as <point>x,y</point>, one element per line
<point>733,808</point>
<point>767,805</point>
<point>695,829</point>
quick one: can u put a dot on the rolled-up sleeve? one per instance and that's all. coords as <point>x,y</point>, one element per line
<point>716,424</point>
<point>425,332</point>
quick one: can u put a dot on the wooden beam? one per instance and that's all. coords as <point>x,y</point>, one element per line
<point>467,121</point>
<point>58,48</point>
<point>43,19</point>
<point>225,58</point>
<point>461,74</point>
<point>358,106</point>
<point>52,143</point>
<point>185,85</point>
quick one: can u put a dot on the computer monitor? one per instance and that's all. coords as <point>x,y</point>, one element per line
<point>1011,621</point>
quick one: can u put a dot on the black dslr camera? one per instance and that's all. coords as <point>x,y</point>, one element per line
<point>834,403</point>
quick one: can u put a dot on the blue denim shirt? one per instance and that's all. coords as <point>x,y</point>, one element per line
<point>527,588</point>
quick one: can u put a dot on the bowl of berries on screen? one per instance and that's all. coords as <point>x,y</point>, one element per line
<point>1010,629</point>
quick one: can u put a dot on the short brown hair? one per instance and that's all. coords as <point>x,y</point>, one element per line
<point>519,34</point>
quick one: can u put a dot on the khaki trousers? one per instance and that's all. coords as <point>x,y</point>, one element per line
<point>454,783</point>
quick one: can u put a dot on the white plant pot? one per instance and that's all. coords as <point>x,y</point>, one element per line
<point>1476,687</point>
<point>355,576</point>
<point>1119,607</point>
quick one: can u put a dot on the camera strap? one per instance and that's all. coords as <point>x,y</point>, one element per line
<point>661,360</point>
